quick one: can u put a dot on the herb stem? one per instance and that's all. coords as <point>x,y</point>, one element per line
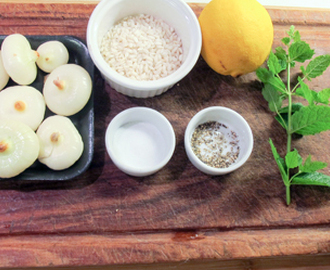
<point>289,127</point>
<point>289,134</point>
<point>288,195</point>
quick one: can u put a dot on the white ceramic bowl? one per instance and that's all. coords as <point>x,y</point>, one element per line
<point>176,13</point>
<point>140,141</point>
<point>235,122</point>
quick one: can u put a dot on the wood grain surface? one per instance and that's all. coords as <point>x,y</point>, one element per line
<point>105,217</point>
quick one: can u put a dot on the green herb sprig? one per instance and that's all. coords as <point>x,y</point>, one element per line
<point>296,118</point>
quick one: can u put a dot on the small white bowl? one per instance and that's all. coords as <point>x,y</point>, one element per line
<point>140,141</point>
<point>235,122</point>
<point>176,13</point>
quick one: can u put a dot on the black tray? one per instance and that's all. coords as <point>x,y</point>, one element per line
<point>83,120</point>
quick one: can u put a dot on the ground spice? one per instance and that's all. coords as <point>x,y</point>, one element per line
<point>215,144</point>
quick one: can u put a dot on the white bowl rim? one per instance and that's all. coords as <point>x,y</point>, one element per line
<point>204,167</point>
<point>143,86</point>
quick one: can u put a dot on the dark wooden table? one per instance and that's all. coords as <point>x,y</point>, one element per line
<point>179,216</point>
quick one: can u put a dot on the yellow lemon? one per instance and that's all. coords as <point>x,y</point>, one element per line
<point>237,36</point>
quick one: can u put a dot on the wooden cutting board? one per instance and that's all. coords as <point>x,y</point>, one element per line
<point>105,217</point>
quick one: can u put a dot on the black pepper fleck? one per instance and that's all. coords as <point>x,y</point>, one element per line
<point>210,142</point>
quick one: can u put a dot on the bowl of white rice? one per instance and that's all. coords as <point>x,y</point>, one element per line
<point>142,48</point>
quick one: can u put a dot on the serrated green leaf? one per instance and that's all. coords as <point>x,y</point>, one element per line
<point>286,41</point>
<point>266,76</point>
<point>291,31</point>
<point>280,53</point>
<point>278,84</point>
<point>274,64</point>
<point>283,120</point>
<point>305,92</point>
<point>300,51</point>
<point>296,36</point>
<point>273,98</point>
<point>279,161</point>
<point>282,57</point>
<point>303,71</point>
<point>310,120</point>
<point>317,66</point>
<point>314,178</point>
<point>293,159</point>
<point>323,96</point>
<point>312,166</point>
<point>263,74</point>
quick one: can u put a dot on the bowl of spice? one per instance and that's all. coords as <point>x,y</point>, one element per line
<point>218,140</point>
<point>140,141</point>
<point>143,47</point>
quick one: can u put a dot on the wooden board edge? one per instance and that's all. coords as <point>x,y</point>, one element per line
<point>149,248</point>
<point>19,9</point>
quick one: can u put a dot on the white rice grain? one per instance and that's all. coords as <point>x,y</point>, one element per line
<point>142,47</point>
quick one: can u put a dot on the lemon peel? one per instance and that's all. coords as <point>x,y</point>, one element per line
<point>237,36</point>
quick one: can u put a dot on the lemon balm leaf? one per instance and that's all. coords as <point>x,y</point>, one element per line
<point>293,159</point>
<point>305,92</point>
<point>279,161</point>
<point>312,166</point>
<point>274,64</point>
<point>267,76</point>
<point>313,179</point>
<point>293,34</point>
<point>286,40</point>
<point>317,66</point>
<point>303,71</point>
<point>282,57</point>
<point>296,36</point>
<point>273,98</point>
<point>300,51</point>
<point>263,74</point>
<point>291,31</point>
<point>278,84</point>
<point>313,96</point>
<point>323,96</point>
<point>282,118</point>
<point>311,120</point>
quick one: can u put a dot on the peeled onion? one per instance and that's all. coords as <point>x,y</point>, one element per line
<point>4,77</point>
<point>19,60</point>
<point>19,148</point>
<point>52,54</point>
<point>61,144</point>
<point>22,103</point>
<point>67,89</point>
